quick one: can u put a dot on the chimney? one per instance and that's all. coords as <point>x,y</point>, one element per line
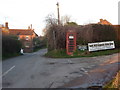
<point>28,27</point>
<point>6,24</point>
<point>31,26</point>
<point>101,20</point>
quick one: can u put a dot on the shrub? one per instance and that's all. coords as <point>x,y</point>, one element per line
<point>85,34</point>
<point>10,46</point>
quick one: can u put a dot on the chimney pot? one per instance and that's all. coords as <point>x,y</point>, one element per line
<point>28,27</point>
<point>101,20</point>
<point>6,24</point>
<point>31,26</point>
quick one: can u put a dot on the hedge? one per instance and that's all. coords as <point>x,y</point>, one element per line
<point>10,46</point>
<point>56,35</point>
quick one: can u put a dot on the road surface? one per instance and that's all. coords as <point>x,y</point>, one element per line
<point>33,70</point>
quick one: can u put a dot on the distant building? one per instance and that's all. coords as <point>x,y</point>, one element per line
<point>24,35</point>
<point>5,29</point>
<point>104,22</point>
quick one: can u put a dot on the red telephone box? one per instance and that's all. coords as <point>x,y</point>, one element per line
<point>70,42</point>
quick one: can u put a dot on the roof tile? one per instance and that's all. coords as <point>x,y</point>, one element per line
<point>21,31</point>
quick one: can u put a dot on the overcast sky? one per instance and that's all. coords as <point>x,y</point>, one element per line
<point>21,13</point>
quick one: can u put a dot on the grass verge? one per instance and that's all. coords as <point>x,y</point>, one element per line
<point>115,83</point>
<point>78,53</point>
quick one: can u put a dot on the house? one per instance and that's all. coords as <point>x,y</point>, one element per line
<point>4,29</point>
<point>104,22</point>
<point>26,36</point>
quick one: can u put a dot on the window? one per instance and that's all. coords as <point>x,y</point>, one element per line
<point>27,37</point>
<point>27,45</point>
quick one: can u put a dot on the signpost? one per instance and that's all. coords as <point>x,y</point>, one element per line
<point>101,46</point>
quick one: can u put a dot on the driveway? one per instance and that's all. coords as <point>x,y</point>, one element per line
<point>33,70</point>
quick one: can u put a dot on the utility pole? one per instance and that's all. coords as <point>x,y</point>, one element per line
<point>58,13</point>
<point>6,19</point>
<point>31,26</point>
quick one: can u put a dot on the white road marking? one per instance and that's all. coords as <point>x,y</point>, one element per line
<point>8,71</point>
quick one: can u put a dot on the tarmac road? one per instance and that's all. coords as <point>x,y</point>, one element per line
<point>98,76</point>
<point>33,70</point>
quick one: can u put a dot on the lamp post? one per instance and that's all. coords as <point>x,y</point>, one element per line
<point>58,13</point>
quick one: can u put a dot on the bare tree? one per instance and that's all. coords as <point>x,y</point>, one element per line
<point>56,34</point>
<point>50,20</point>
<point>50,31</point>
<point>65,19</point>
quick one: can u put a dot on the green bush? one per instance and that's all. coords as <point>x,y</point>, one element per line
<point>10,46</point>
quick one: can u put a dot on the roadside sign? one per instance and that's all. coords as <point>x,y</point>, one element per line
<point>101,46</point>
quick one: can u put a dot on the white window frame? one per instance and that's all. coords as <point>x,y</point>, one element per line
<point>27,38</point>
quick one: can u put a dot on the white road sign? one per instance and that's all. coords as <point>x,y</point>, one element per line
<point>101,46</point>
